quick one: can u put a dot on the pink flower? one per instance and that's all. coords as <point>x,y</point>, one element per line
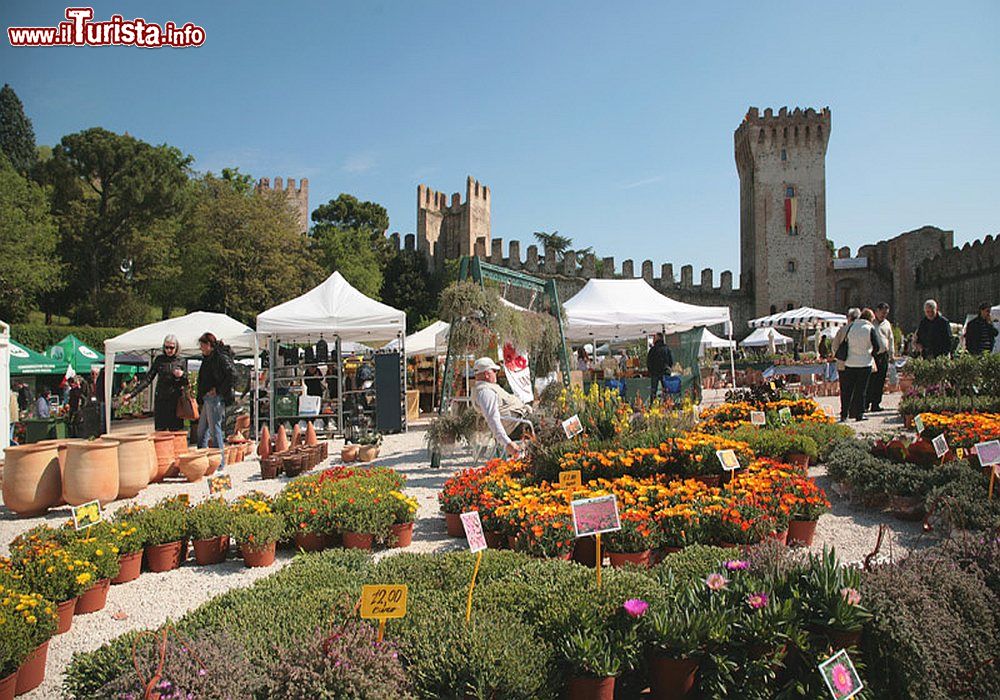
<point>737,565</point>
<point>635,607</point>
<point>716,582</point>
<point>851,595</point>
<point>842,679</point>
<point>757,600</point>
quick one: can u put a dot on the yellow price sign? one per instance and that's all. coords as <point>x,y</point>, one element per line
<point>571,477</point>
<point>385,602</point>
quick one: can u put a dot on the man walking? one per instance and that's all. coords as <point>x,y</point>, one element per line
<point>980,333</point>
<point>933,333</point>
<point>876,384</point>
<point>659,360</point>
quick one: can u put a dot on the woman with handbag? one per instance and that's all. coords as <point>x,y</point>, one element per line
<point>839,349</point>
<point>171,380</point>
<point>863,344</point>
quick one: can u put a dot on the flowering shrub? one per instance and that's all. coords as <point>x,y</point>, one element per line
<point>962,429</point>
<point>26,621</point>
<point>254,523</point>
<point>48,568</point>
<point>603,412</point>
<point>209,518</point>
<point>165,522</point>
<point>727,416</point>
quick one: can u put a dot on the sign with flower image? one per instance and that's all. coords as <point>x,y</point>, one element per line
<point>785,415</point>
<point>473,527</point>
<point>918,424</point>
<point>988,453</point>
<point>841,678</point>
<point>217,484</point>
<point>592,516</point>
<point>758,418</point>
<point>86,515</point>
<point>940,445</point>
<point>728,459</point>
<point>572,426</point>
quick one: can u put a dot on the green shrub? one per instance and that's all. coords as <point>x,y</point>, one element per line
<point>960,503</point>
<point>161,524</point>
<point>40,337</point>
<point>209,518</point>
<point>692,563</point>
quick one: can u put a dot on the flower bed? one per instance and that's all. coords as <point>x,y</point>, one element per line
<point>731,415</point>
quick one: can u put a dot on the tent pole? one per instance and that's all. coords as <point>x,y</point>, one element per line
<point>109,380</point>
<point>732,360</point>
<point>255,409</point>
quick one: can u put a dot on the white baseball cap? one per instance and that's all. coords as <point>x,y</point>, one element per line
<point>483,364</point>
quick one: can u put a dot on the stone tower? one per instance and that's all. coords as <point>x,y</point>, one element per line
<point>785,260</point>
<point>449,231</point>
<point>298,198</point>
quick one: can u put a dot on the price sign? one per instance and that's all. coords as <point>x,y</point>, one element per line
<point>758,418</point>
<point>785,415</point>
<point>217,484</point>
<point>87,514</point>
<point>918,423</point>
<point>592,516</point>
<point>841,678</point>
<point>572,426</point>
<point>940,445</point>
<point>385,602</point>
<point>728,459</point>
<point>773,387</point>
<point>988,453</point>
<point>184,498</point>
<point>570,478</point>
<point>960,453</point>
<point>473,527</point>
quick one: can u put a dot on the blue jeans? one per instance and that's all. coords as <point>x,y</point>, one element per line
<point>213,412</point>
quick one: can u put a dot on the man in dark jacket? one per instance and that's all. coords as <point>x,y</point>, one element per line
<point>980,333</point>
<point>933,333</point>
<point>215,390</point>
<point>659,360</point>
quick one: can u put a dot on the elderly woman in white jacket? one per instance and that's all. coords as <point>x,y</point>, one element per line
<point>863,343</point>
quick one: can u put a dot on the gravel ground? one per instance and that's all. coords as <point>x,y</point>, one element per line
<point>155,598</point>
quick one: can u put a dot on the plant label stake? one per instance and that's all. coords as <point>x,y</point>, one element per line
<point>918,424</point>
<point>728,459</point>
<point>217,484</point>
<point>758,418</point>
<point>384,602</point>
<point>940,446</point>
<point>785,415</point>
<point>86,515</point>
<point>473,527</point>
<point>841,678</point>
<point>570,478</point>
<point>592,516</point>
<point>989,456</point>
<point>572,426</point>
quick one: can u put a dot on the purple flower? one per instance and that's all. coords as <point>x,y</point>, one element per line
<point>716,582</point>
<point>757,600</point>
<point>202,672</point>
<point>635,607</point>
<point>737,565</point>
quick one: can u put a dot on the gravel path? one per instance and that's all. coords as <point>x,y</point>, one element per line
<point>154,598</point>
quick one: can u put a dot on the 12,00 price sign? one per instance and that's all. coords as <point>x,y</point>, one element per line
<point>385,602</point>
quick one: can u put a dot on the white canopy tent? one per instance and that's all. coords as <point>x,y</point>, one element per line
<point>764,337</point>
<point>710,341</point>
<point>5,417</point>
<point>432,340</point>
<point>188,328</point>
<point>631,308</point>
<point>803,317</point>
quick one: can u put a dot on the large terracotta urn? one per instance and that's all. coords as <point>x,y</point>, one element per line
<point>91,472</point>
<point>180,447</point>
<point>193,465</point>
<point>163,443</point>
<point>31,482</point>
<point>151,458</point>
<point>133,462</point>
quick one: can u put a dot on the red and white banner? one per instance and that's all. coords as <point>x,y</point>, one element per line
<point>515,366</point>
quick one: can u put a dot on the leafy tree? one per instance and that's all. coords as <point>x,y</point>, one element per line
<point>409,286</point>
<point>17,137</point>
<point>112,195</point>
<point>348,212</point>
<point>241,182</point>
<point>554,243</point>
<point>351,253</point>
<point>28,238</point>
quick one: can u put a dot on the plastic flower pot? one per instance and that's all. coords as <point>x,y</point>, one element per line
<point>622,558</point>
<point>211,551</point>
<point>401,535</point>
<point>801,532</point>
<point>358,540</point>
<point>65,610</point>
<point>163,557</point>
<point>129,568</point>
<point>781,537</point>
<point>671,678</point>
<point>94,598</point>
<point>453,522</point>
<point>32,672</point>
<point>311,541</point>
<point>254,557</point>
<point>7,686</point>
<point>584,688</point>
<point>585,551</point>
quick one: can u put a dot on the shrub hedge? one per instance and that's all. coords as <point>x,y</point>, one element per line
<point>40,337</point>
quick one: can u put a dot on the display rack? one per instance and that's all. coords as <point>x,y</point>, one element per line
<point>286,384</point>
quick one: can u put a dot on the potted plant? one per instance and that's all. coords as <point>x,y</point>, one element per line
<point>368,446</point>
<point>403,508</point>
<point>46,567</point>
<point>27,623</point>
<point>349,452</point>
<point>593,663</point>
<point>830,595</point>
<point>633,543</point>
<point>457,496</point>
<point>257,528</point>
<point>548,536</point>
<point>809,503</point>
<point>800,450</point>
<point>448,428</point>
<point>362,516</point>
<point>96,548</point>
<point>208,526</point>
<point>164,527</point>
<point>127,536</point>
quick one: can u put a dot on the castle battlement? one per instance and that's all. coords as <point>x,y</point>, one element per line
<point>972,259</point>
<point>298,197</point>
<point>784,129</point>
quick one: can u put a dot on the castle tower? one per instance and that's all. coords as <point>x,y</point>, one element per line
<point>446,231</point>
<point>298,197</point>
<point>785,261</point>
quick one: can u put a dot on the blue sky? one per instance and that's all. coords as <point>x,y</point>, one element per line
<point>609,122</point>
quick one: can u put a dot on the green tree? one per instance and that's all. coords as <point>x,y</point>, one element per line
<point>349,237</point>
<point>408,286</point>
<point>17,137</point>
<point>554,243</point>
<point>114,196</point>
<point>348,212</point>
<point>28,238</point>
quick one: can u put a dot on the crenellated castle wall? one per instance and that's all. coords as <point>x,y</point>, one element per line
<point>960,279</point>
<point>298,197</point>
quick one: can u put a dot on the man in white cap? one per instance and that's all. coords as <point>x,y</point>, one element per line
<point>493,402</point>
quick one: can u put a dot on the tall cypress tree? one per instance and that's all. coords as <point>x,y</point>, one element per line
<point>17,137</point>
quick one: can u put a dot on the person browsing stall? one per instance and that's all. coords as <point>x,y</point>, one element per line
<point>496,404</point>
<point>171,379</point>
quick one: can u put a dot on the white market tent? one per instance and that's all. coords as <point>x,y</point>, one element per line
<point>5,417</point>
<point>763,337</point>
<point>710,341</point>
<point>188,328</point>
<point>432,340</point>
<point>803,317</point>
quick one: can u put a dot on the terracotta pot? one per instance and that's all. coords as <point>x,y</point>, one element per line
<point>585,551</point>
<point>495,540</point>
<point>91,472</point>
<point>32,672</point>
<point>311,435</point>
<point>193,465</point>
<point>367,453</point>
<point>623,558</point>
<point>133,463</point>
<point>234,454</point>
<point>129,568</point>
<point>65,610</point>
<point>62,447</point>
<point>797,459</point>
<point>671,678</point>
<point>358,540</point>
<point>782,536</point>
<point>211,551</point>
<point>264,446</point>
<point>591,688</point>
<point>151,458</point>
<point>180,447</point>
<point>242,423</point>
<point>31,481</point>
<point>281,439</point>
<point>311,541</point>
<point>163,443</point>
<point>348,453</point>
<point>269,468</point>
<point>296,435</point>
<point>214,460</point>
<point>453,522</point>
<point>401,535</point>
<point>94,598</point>
<point>163,557</point>
<point>710,479</point>
<point>801,532</point>
<point>254,558</point>
<point>907,420</point>
<point>7,686</point>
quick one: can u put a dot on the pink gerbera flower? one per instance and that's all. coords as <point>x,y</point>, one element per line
<point>716,582</point>
<point>635,607</point>
<point>851,595</point>
<point>757,600</point>
<point>842,679</point>
<point>737,565</point>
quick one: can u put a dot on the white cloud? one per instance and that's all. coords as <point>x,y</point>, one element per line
<point>359,163</point>
<point>643,182</point>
